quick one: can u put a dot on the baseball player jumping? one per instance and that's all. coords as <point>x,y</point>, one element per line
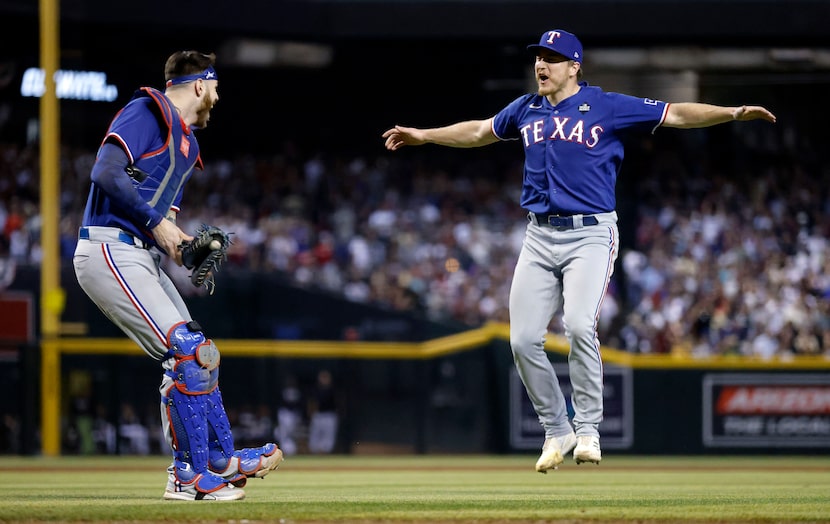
<point>572,135</point>
<point>129,223</point>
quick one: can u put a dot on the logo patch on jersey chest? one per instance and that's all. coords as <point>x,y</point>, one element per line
<point>185,146</point>
<point>584,108</point>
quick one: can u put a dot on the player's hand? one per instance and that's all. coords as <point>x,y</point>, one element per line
<point>400,136</point>
<point>745,113</point>
<point>169,237</point>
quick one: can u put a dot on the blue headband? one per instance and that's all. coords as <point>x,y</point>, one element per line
<point>207,74</point>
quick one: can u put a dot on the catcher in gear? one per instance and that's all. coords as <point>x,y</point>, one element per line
<point>148,154</point>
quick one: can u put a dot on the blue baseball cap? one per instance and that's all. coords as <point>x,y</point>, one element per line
<point>560,41</point>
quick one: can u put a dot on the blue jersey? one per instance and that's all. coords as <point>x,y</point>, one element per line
<point>574,150</point>
<point>165,151</point>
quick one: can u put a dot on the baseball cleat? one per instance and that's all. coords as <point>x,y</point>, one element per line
<point>554,451</point>
<point>587,449</point>
<point>185,484</point>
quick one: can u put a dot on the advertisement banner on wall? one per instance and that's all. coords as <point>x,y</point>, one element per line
<point>766,410</point>
<point>616,428</point>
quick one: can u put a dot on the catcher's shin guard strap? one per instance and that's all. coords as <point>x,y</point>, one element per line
<point>188,419</point>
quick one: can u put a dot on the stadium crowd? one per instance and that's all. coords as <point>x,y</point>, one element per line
<point>724,234</point>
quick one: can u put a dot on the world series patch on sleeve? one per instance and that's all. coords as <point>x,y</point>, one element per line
<point>204,254</point>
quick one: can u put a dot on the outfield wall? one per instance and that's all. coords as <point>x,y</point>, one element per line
<point>459,394</point>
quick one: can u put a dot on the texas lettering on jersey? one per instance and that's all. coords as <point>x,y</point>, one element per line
<point>564,129</point>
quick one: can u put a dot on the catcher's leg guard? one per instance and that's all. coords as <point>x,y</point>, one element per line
<point>220,444</point>
<point>190,404</point>
<point>235,466</point>
<point>199,414</point>
<point>187,421</point>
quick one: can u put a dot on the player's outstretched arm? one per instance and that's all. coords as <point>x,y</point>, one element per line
<point>400,136</point>
<point>753,113</point>
<point>687,115</point>
<point>471,133</point>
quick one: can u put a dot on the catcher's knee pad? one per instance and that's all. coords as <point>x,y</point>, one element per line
<point>196,369</point>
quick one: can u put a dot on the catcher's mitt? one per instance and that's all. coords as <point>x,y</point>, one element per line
<point>204,254</point>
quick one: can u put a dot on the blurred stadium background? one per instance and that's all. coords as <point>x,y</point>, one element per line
<point>390,272</point>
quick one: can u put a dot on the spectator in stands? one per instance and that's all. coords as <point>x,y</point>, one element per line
<point>290,416</point>
<point>756,229</point>
<point>134,437</point>
<point>323,415</point>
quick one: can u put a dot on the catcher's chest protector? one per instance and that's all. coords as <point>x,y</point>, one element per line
<point>169,167</point>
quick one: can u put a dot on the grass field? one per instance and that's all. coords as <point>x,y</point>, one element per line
<point>435,489</point>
